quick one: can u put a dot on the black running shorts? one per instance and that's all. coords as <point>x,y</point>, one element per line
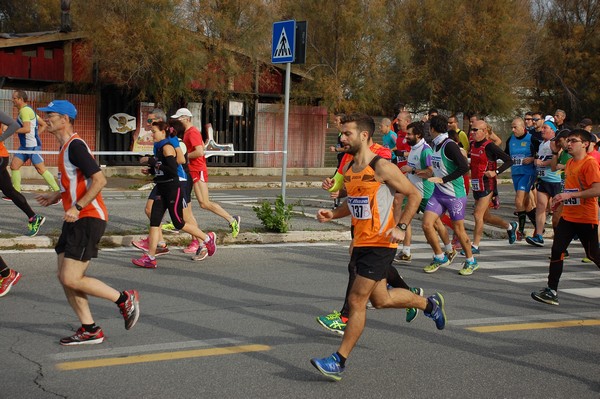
<point>79,240</point>
<point>373,262</point>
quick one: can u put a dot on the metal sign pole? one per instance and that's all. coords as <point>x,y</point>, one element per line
<point>285,129</point>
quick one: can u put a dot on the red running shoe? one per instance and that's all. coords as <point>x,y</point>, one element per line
<point>7,282</point>
<point>82,337</point>
<point>130,309</point>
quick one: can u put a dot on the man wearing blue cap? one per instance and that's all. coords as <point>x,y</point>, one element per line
<point>548,182</point>
<point>81,182</point>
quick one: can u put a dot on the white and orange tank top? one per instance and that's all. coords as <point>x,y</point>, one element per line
<point>371,207</point>
<point>74,184</point>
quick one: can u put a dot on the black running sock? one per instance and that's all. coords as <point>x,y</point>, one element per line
<point>531,216</point>
<point>522,219</point>
<point>429,307</point>
<point>89,327</point>
<point>121,299</point>
<point>342,359</point>
<point>5,272</point>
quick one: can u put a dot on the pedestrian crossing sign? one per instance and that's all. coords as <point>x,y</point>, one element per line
<point>283,43</point>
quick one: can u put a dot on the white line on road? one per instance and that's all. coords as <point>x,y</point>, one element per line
<point>543,277</point>
<point>513,319</point>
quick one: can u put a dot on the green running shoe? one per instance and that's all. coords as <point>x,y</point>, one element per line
<point>169,227</point>
<point>412,313</point>
<point>333,322</point>
<point>235,226</point>
<point>468,268</point>
<point>34,225</point>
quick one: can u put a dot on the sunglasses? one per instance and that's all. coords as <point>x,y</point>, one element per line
<point>536,119</point>
<point>475,129</point>
<point>528,119</point>
<point>151,120</point>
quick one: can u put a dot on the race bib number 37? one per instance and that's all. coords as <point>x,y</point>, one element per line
<point>359,207</point>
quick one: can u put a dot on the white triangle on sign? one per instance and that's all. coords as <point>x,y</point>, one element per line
<point>283,46</point>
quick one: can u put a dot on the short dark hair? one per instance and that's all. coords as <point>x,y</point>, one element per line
<point>418,128</point>
<point>432,111</point>
<point>528,113</point>
<point>363,122</point>
<point>583,134</point>
<point>439,123</point>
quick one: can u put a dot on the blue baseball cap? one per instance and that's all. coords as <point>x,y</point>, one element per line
<point>62,107</point>
<point>552,125</point>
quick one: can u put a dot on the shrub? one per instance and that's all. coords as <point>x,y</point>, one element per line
<point>278,219</point>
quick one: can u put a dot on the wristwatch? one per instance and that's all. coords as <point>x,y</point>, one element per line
<point>78,207</point>
<point>413,171</point>
<point>403,226</point>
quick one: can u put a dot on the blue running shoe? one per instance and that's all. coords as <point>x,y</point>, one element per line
<point>329,366</point>
<point>473,249</point>
<point>512,233</point>
<point>438,313</point>
<point>536,240</point>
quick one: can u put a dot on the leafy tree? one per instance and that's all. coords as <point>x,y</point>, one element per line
<point>21,16</point>
<point>346,51</point>
<point>568,76</point>
<point>142,46</point>
<point>466,55</point>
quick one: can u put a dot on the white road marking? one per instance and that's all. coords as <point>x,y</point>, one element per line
<point>522,319</point>
<point>543,277</point>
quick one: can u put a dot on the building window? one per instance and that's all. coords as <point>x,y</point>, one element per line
<point>30,53</point>
<point>48,53</point>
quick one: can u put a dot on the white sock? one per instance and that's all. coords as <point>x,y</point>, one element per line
<point>471,259</point>
<point>406,250</point>
<point>439,257</point>
<point>449,247</point>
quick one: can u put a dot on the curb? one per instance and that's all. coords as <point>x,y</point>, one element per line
<point>243,238</point>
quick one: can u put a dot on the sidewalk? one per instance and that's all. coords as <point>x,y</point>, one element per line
<point>307,229</point>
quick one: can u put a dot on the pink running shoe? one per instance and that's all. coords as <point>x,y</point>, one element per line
<point>145,262</point>
<point>211,244</point>
<point>141,244</point>
<point>192,248</point>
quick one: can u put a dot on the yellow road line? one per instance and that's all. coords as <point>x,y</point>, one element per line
<point>536,326</point>
<point>157,357</point>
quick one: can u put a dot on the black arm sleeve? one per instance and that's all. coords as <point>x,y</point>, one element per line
<point>507,147</point>
<point>494,152</point>
<point>452,152</point>
<point>169,166</point>
<point>81,157</point>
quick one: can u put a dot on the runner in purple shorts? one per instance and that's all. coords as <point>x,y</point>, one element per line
<point>449,194</point>
<point>440,203</point>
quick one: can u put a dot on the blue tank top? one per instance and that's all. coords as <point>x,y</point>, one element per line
<point>520,148</point>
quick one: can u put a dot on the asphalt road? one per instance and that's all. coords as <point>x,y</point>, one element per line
<point>242,325</point>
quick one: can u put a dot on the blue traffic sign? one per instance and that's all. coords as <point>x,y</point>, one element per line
<point>284,40</point>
